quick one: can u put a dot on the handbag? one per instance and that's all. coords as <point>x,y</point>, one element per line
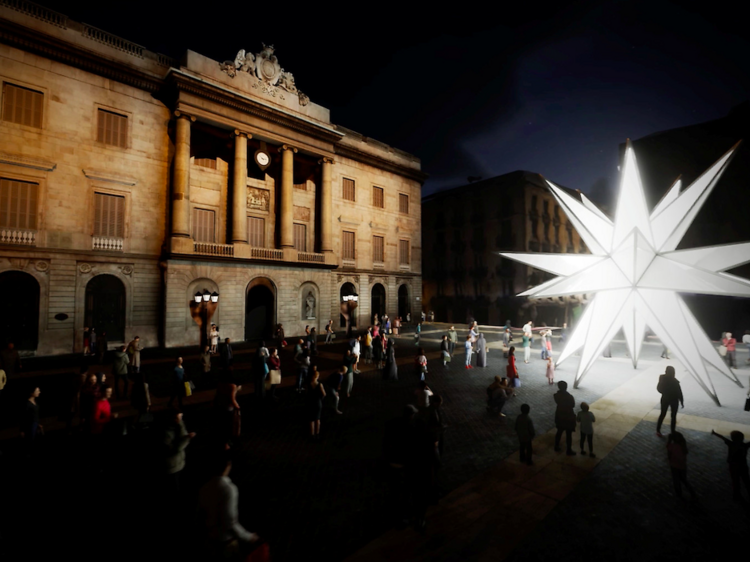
<point>188,390</point>
<point>274,375</point>
<point>333,336</point>
<point>723,350</point>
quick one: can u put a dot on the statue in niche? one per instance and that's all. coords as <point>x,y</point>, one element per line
<point>310,305</point>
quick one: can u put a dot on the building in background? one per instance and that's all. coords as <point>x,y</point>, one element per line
<point>464,228</point>
<point>129,182</point>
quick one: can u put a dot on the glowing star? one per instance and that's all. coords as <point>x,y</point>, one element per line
<point>636,274</point>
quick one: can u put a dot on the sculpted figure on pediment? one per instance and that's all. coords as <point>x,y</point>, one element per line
<point>267,67</point>
<point>244,62</point>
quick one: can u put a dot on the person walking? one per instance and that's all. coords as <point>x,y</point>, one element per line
<point>120,371</point>
<point>134,352</point>
<point>586,419</point>
<point>333,383</point>
<point>511,371</point>
<point>421,362</point>
<point>175,440</point>
<point>329,332</point>
<point>467,347</point>
<point>730,343</point>
<point>356,351</point>
<point>391,367</point>
<point>550,374</point>
<point>452,340</point>
<point>102,414</point>
<point>565,417</point>
<point>303,361</point>
<point>418,334</point>
<point>737,461</point>
<point>481,351</point>
<point>214,336</point>
<point>30,426</point>
<point>315,396</point>
<point>312,341</point>
<point>677,454</point>
<point>671,394</point>
<point>525,430</point>
<point>274,372</point>
<point>377,350</point>
<point>260,370</point>
<point>445,353</point>
<point>205,361</point>
<point>497,396</point>
<point>423,394</point>
<point>526,344</point>
<point>178,384</point>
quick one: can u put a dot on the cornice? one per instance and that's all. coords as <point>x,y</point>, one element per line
<point>382,163</point>
<point>27,162</point>
<point>185,83</point>
<point>51,48</point>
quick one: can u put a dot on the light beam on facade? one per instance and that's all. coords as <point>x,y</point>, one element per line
<point>635,273</point>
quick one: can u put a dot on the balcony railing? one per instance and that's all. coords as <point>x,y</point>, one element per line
<point>310,257</point>
<point>108,243</point>
<point>16,236</point>
<point>211,249</point>
<point>267,253</point>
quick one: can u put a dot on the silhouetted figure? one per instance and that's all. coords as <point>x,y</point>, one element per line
<point>586,419</point>
<point>737,461</point>
<point>565,417</point>
<point>120,371</point>
<point>391,367</point>
<point>525,430</point>
<point>671,395</point>
<point>677,453</point>
<point>481,351</point>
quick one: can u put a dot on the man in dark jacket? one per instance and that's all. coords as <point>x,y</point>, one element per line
<point>671,394</point>
<point>120,371</point>
<point>227,356</point>
<point>565,417</point>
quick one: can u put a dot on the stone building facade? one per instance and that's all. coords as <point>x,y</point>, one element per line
<point>466,227</point>
<point>130,181</point>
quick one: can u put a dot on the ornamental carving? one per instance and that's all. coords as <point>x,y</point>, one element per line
<point>264,66</point>
<point>84,268</point>
<point>258,199</point>
<point>301,214</point>
<point>19,263</point>
<point>127,269</point>
<point>42,266</point>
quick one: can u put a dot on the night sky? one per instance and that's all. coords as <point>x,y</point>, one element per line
<point>477,92</point>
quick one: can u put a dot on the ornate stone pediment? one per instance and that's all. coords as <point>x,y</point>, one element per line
<point>266,68</point>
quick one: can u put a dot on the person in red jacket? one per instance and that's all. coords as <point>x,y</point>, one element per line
<point>511,371</point>
<point>102,414</point>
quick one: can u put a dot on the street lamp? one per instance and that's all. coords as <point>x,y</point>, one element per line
<point>202,310</point>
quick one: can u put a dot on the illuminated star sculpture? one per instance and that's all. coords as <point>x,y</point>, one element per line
<point>635,273</point>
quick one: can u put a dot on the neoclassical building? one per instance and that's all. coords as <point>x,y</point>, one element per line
<point>129,182</point>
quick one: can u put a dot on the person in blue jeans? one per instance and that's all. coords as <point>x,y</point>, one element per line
<point>467,346</point>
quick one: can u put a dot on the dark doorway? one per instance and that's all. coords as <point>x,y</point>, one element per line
<point>20,318</point>
<point>404,305</point>
<point>105,307</point>
<point>259,313</point>
<point>378,300</point>
<point>347,289</point>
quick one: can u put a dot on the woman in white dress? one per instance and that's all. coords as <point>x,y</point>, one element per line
<point>214,335</point>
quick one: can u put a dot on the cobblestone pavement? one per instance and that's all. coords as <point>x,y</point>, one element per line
<point>307,499</point>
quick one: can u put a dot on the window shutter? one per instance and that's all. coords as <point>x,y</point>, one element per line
<point>23,106</point>
<point>300,237</point>
<point>203,225</point>
<point>403,252</point>
<point>112,128</point>
<point>348,189</point>
<point>109,215</point>
<point>403,203</point>
<point>18,204</point>
<point>378,248</point>
<point>256,228</point>
<point>348,245</point>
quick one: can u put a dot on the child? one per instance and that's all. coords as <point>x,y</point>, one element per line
<point>526,433</point>
<point>586,419</point>
<point>467,345</point>
<point>677,453</point>
<point>737,460</point>
<point>550,370</point>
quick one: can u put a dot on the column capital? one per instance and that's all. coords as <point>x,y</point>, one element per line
<point>284,147</point>
<point>325,160</point>
<point>238,133</point>
<point>182,115</point>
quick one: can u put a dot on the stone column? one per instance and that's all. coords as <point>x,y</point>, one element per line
<point>181,177</point>
<point>239,196</point>
<point>287,188</point>
<point>326,245</point>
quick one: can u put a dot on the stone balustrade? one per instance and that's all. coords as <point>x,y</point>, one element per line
<point>267,254</point>
<point>17,236</point>
<point>310,257</point>
<point>108,243</point>
<point>211,249</point>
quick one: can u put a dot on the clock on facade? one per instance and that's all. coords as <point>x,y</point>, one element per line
<point>262,159</point>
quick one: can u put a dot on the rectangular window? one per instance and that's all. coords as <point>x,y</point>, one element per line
<point>22,106</point>
<point>256,232</point>
<point>300,237</point>
<point>403,252</point>
<point>378,245</point>
<point>348,189</point>
<point>378,199</point>
<point>347,245</point>
<point>109,215</point>
<point>204,162</point>
<point>203,225</point>
<point>112,128</point>
<point>18,204</point>
<point>403,203</point>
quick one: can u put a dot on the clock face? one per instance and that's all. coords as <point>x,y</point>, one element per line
<point>262,159</point>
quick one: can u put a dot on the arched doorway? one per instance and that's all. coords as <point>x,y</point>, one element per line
<point>404,305</point>
<point>347,289</point>
<point>377,300</point>
<point>19,322</point>
<point>260,311</point>
<point>105,307</point>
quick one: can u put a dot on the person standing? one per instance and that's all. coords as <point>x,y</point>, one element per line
<point>408,317</point>
<point>101,347</point>
<point>671,393</point>
<point>481,351</point>
<point>227,355</point>
<point>467,347</point>
<point>134,352</point>
<point>586,418</point>
<point>421,361</point>
<point>86,341</point>
<point>329,331</point>
<point>102,414</point>
<point>377,350</point>
<point>677,454</point>
<point>526,347</point>
<point>92,342</point>
<point>423,394</point>
<point>368,346</point>
<point>175,440</point>
<point>260,370</point>
<point>274,371</point>
<point>527,328</point>
<point>730,343</point>
<point>418,334</point>
<point>356,350</point>
<point>391,367</point>
<point>452,340</point>
<point>396,325</point>
<point>120,370</point>
<point>550,370</point>
<point>506,337</point>
<point>178,383</point>
<point>444,350</point>
<point>511,371</point>
<point>303,360</point>
<point>737,461</point>
<point>334,386</point>
<point>30,426</point>
<point>10,360</point>
<point>214,335</point>
<point>315,396</point>
<point>565,417</point>
<point>205,361</point>
<point>564,333</point>
<point>387,325</point>
<point>525,430</point>
<point>312,341</point>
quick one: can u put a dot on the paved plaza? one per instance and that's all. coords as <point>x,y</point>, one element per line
<point>330,499</point>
